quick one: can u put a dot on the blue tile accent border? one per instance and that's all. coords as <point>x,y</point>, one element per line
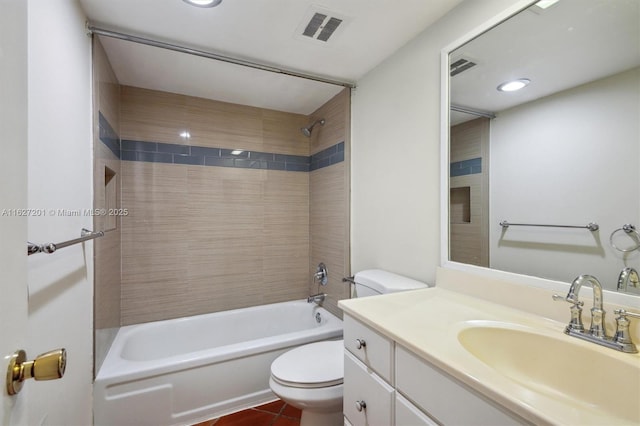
<point>157,152</point>
<point>168,153</point>
<point>108,136</point>
<point>466,167</point>
<point>328,157</point>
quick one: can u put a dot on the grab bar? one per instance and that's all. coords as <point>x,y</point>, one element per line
<point>591,226</point>
<point>85,235</point>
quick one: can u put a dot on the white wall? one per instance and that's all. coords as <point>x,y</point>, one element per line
<point>570,158</point>
<point>60,174</point>
<point>395,210</point>
<point>13,195</point>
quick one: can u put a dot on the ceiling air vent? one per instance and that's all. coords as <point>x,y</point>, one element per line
<point>320,24</point>
<point>312,27</point>
<point>461,65</point>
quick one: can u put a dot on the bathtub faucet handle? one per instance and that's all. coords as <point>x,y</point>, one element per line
<point>321,274</point>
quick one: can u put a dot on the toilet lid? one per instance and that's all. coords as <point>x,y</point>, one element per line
<point>314,365</point>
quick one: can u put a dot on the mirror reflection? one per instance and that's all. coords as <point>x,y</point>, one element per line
<point>545,143</point>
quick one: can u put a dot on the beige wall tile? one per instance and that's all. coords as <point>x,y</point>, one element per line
<point>153,116</point>
<point>329,232</point>
<point>107,249</point>
<point>106,86</point>
<point>224,125</point>
<point>281,132</point>
<point>204,239</point>
<point>154,244</point>
<point>336,113</point>
<point>329,202</point>
<point>469,242</point>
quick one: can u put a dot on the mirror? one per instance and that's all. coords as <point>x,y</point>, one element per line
<point>563,152</point>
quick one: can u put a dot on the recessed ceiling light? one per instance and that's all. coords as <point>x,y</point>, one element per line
<point>203,3</point>
<point>513,85</point>
<point>237,152</point>
<point>185,134</point>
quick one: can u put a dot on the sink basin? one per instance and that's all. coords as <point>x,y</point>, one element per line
<point>560,367</point>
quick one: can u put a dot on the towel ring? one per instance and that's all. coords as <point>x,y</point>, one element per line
<point>628,229</point>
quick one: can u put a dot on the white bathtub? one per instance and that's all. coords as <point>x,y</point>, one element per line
<point>186,370</point>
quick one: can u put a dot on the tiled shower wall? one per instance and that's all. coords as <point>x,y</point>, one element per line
<point>107,254</point>
<point>208,230</point>
<point>329,199</point>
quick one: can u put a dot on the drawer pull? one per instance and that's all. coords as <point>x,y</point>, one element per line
<point>361,405</point>
<point>360,343</point>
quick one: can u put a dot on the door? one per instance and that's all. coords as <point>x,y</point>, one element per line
<point>13,197</point>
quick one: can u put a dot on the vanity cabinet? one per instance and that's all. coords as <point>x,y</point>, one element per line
<point>386,384</point>
<point>368,368</point>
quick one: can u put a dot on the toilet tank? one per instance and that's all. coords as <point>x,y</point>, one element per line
<point>372,282</point>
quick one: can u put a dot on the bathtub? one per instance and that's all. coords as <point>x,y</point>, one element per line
<point>187,370</point>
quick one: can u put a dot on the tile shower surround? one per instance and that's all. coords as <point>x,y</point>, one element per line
<point>167,154</point>
<point>159,152</point>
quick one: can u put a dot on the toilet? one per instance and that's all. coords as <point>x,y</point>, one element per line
<point>310,377</point>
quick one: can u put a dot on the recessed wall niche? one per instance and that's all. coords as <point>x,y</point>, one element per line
<point>460,205</point>
<point>110,199</point>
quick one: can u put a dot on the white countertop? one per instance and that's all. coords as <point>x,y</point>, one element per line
<point>427,323</point>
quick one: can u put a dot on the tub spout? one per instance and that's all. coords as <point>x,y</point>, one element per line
<point>316,298</point>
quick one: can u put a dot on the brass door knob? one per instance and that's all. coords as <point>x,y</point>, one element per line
<point>47,366</point>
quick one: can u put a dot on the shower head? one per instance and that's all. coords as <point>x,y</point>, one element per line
<point>307,130</point>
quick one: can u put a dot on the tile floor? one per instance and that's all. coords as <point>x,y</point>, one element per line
<point>276,413</point>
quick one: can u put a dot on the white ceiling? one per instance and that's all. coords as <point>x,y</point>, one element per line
<point>571,43</point>
<point>263,31</point>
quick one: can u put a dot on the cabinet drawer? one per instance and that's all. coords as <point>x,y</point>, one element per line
<point>370,347</point>
<point>409,414</point>
<point>362,385</point>
<point>445,399</point>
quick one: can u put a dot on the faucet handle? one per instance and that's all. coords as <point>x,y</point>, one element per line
<point>321,274</point>
<point>622,336</point>
<point>575,324</point>
<point>624,313</point>
<point>567,299</point>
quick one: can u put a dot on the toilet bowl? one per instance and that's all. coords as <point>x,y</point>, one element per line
<point>310,377</point>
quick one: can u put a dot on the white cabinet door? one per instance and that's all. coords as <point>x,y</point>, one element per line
<point>368,400</point>
<point>408,414</point>
<point>443,397</point>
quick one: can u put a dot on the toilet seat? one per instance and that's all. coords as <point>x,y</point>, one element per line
<point>315,365</point>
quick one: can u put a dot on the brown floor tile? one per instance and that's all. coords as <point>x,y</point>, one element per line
<point>286,421</point>
<point>247,418</point>
<point>207,423</point>
<point>290,411</point>
<point>276,413</point>
<point>272,407</point>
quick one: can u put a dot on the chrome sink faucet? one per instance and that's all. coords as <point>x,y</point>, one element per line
<point>597,311</point>
<point>597,333</point>
<point>628,281</point>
